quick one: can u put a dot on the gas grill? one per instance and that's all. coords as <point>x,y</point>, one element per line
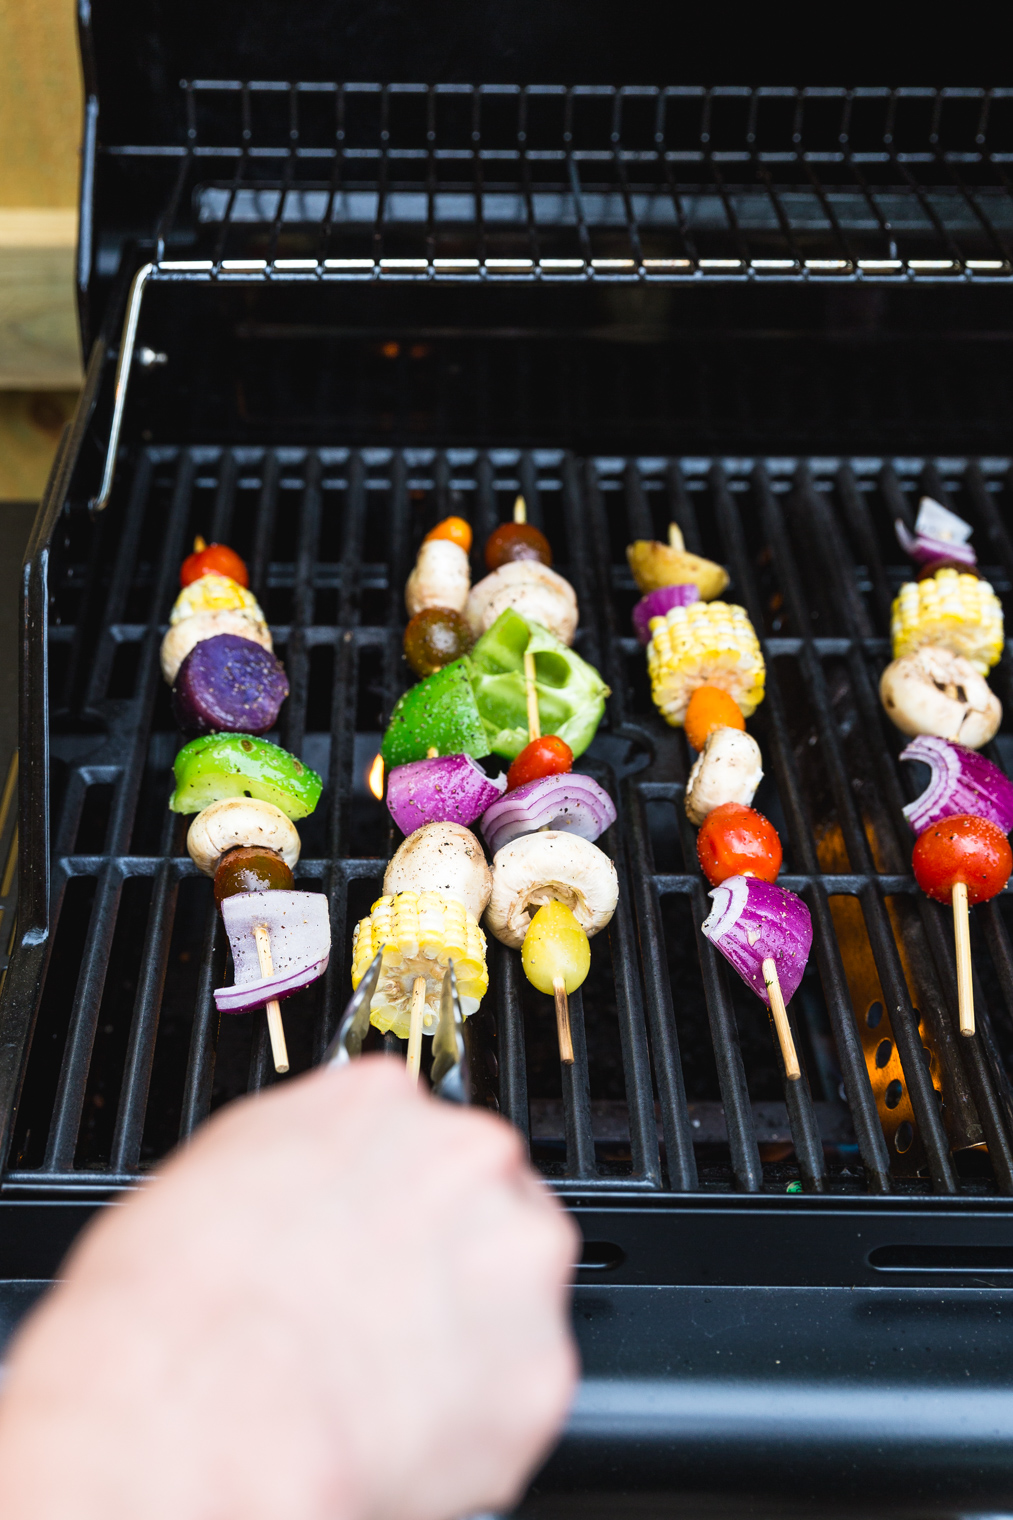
<point>323,314</point>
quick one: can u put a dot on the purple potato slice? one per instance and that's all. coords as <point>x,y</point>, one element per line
<point>228,684</point>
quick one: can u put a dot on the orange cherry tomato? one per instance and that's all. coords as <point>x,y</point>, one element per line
<point>216,558</point>
<point>547,756</point>
<point>967,849</point>
<point>738,841</point>
<point>514,540</point>
<point>454,528</point>
<point>710,708</point>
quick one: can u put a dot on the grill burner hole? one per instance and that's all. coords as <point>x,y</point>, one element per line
<point>894,1093</point>
<point>884,1050</point>
<point>904,1138</point>
<point>874,1017</point>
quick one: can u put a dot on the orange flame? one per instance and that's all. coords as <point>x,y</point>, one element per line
<point>375,778</point>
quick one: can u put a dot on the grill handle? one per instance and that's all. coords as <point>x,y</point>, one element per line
<point>124,363</point>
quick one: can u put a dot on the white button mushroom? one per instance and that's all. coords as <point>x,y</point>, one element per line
<point>550,866</point>
<point>441,577</point>
<point>533,590</point>
<point>442,857</point>
<point>933,691</point>
<point>241,821</point>
<point>729,768</point>
<point>183,636</point>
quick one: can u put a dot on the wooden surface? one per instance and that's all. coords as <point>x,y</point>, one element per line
<point>40,128</point>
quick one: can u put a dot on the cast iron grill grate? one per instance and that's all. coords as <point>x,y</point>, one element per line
<point>677,1083</point>
<point>299,179</point>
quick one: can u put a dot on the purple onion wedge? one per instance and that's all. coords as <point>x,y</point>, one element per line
<point>754,920</point>
<point>299,927</point>
<point>572,803</point>
<point>939,534</point>
<point>656,604</point>
<point>962,783</point>
<point>229,685</point>
<point>445,789</point>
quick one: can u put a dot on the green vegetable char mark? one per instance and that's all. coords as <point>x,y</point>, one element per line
<point>216,766</point>
<point>571,693</point>
<point>439,713</point>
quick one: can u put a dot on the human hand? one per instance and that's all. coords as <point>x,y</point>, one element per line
<point>341,1300</point>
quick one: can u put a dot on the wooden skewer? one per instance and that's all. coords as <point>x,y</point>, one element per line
<point>275,1027</point>
<point>432,752</point>
<point>534,721</point>
<point>962,939</point>
<point>675,538</point>
<point>563,1021</point>
<point>792,1069</point>
<point>520,510</point>
<point>415,1027</point>
<point>199,545</point>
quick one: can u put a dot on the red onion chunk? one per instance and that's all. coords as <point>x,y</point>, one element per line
<point>229,685</point>
<point>572,803</point>
<point>752,921</point>
<point>445,789</point>
<point>298,924</point>
<point>656,604</point>
<point>962,783</point>
<point>939,534</point>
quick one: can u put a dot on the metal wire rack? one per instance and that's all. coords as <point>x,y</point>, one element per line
<point>677,1085</point>
<point>293,180</point>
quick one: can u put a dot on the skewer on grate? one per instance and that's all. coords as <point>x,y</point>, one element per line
<point>780,1013</point>
<point>275,1027</point>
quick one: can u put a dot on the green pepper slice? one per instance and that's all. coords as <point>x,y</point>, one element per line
<point>571,693</point>
<point>439,713</point>
<point>216,766</point>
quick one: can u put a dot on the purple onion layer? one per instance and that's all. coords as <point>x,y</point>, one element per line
<point>572,802</point>
<point>298,925</point>
<point>445,789</point>
<point>229,685</point>
<point>657,603</point>
<point>962,782</point>
<point>753,921</point>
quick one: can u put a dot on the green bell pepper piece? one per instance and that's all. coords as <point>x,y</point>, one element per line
<point>571,693</point>
<point>216,766</point>
<point>438,713</point>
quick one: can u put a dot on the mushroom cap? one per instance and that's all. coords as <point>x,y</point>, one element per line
<point>551,865</point>
<point>729,768</point>
<point>442,857</point>
<point>191,631</point>
<point>533,590</point>
<point>241,821</point>
<point>441,577</point>
<point>934,691</point>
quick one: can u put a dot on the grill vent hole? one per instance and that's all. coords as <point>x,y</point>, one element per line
<point>884,1050</point>
<point>904,1138</point>
<point>894,1093</point>
<point>874,1017</point>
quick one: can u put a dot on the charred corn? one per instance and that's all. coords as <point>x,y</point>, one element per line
<point>705,644</point>
<point>951,611</point>
<point>419,932</point>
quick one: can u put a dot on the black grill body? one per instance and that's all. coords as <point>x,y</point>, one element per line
<point>793,1296</point>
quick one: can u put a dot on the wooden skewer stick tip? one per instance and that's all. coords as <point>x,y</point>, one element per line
<point>962,940</point>
<point>563,1021</point>
<point>520,510</point>
<point>675,538</point>
<point>199,545</point>
<point>791,1067</point>
<point>275,1028</point>
<point>432,752</point>
<point>534,721</point>
<point>415,1027</point>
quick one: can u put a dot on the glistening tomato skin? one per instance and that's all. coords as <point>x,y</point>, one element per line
<point>547,756</point>
<point>214,557</point>
<point>512,541</point>
<point>738,841</point>
<point>967,849</point>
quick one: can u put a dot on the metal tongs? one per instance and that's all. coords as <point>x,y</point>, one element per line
<point>449,1075</point>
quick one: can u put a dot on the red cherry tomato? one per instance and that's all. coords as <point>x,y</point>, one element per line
<point>512,541</point>
<point>738,841</point>
<point>966,849</point>
<point>212,557</point>
<point>547,756</point>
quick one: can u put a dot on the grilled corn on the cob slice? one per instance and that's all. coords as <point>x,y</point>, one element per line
<point>952,611</point>
<point>419,932</point>
<point>705,644</point>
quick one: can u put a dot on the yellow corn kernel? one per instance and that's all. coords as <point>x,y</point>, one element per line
<point>705,644</point>
<point>419,933</point>
<point>950,610</point>
<point>213,593</point>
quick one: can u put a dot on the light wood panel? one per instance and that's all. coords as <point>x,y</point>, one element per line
<point>40,103</point>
